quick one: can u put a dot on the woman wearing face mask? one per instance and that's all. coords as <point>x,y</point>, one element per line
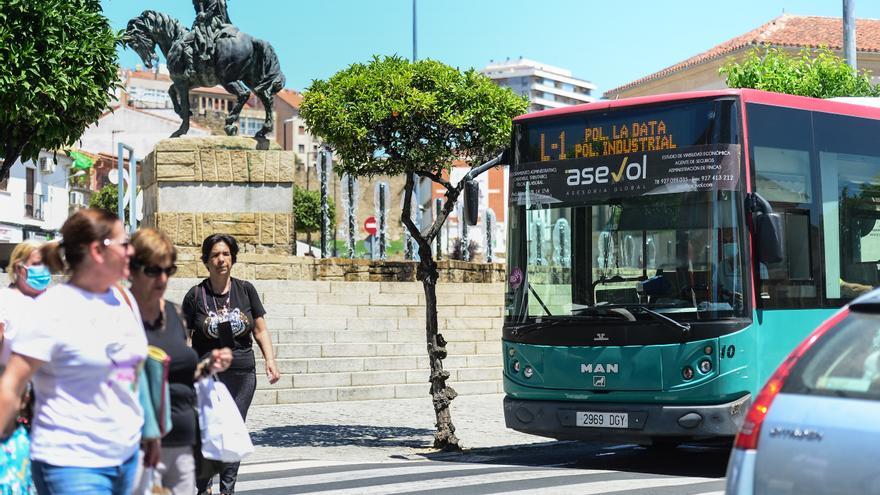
<point>82,346</point>
<point>29,278</point>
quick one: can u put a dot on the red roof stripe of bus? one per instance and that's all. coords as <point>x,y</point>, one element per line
<point>748,96</point>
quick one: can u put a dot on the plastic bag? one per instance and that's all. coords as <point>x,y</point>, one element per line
<point>223,432</point>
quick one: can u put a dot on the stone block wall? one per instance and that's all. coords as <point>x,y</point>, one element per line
<point>337,340</point>
<point>194,187</point>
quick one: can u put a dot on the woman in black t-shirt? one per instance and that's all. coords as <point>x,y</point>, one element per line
<point>151,267</point>
<point>224,311</point>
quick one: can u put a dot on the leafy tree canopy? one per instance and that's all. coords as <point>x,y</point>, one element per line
<point>818,73</point>
<point>391,116</point>
<point>307,210</point>
<point>107,198</point>
<point>57,66</point>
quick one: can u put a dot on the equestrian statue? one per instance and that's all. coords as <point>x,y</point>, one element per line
<point>213,52</point>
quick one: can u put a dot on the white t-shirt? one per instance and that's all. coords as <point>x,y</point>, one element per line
<point>87,412</point>
<point>14,308</point>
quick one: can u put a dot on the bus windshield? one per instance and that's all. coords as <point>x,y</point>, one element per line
<point>608,228</point>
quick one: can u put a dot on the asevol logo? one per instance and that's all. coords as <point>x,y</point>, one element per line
<point>605,175</point>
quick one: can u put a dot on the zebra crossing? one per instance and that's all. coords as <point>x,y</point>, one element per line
<point>447,478</point>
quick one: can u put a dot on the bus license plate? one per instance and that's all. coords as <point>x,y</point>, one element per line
<point>603,420</point>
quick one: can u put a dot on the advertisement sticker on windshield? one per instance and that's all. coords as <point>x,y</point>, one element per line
<point>697,168</point>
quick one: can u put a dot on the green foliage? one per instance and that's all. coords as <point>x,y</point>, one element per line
<point>817,73</point>
<point>307,210</point>
<point>57,67</point>
<point>391,116</point>
<point>107,198</point>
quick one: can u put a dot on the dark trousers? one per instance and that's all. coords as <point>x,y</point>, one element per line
<point>242,383</point>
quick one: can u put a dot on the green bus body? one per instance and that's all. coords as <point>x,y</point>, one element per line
<point>581,335</point>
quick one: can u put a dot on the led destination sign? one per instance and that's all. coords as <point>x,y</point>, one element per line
<point>711,167</point>
<point>614,139</point>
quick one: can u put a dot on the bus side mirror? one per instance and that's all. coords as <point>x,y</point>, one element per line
<point>471,201</point>
<point>768,230</point>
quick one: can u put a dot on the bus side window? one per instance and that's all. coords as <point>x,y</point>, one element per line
<point>849,161</point>
<point>780,145</point>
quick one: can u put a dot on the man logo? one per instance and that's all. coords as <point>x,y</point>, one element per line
<point>599,368</point>
<point>600,337</point>
<point>599,381</point>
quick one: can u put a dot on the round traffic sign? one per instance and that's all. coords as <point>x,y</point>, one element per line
<point>371,226</point>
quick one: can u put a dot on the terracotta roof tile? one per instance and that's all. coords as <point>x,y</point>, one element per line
<point>148,74</point>
<point>290,97</point>
<point>786,30</point>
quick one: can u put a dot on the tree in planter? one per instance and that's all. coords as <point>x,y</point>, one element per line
<point>57,66</point>
<point>817,73</point>
<point>307,212</point>
<point>390,116</point>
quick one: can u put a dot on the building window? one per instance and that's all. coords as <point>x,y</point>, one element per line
<point>301,148</point>
<point>302,130</point>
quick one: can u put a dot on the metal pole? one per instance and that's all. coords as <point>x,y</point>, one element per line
<point>490,235</point>
<point>325,209</point>
<point>350,185</point>
<point>849,33</point>
<point>132,186</point>
<point>438,209</point>
<point>415,41</point>
<point>382,220</point>
<point>120,188</point>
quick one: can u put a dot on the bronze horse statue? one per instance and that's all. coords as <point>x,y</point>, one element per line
<point>239,62</point>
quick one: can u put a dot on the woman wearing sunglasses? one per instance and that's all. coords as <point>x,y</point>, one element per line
<point>81,346</point>
<point>151,267</point>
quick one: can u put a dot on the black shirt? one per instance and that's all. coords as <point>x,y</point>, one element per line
<point>204,309</point>
<point>171,338</point>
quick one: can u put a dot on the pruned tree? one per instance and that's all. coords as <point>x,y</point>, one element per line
<point>390,116</point>
<point>57,67</point>
<point>819,73</point>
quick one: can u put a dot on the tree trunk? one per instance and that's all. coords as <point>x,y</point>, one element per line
<point>441,394</point>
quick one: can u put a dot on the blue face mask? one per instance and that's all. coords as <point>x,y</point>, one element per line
<point>38,277</point>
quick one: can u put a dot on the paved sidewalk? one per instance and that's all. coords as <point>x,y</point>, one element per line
<point>375,430</point>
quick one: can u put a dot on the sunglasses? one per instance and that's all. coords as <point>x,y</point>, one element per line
<point>153,271</point>
<point>124,243</point>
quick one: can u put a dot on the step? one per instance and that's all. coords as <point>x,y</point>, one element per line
<point>368,378</point>
<point>372,392</point>
<point>380,363</point>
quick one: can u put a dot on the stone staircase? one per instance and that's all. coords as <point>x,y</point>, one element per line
<point>338,341</point>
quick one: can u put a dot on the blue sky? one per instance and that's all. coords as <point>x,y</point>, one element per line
<point>607,42</point>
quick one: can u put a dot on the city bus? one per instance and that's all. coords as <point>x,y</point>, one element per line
<point>665,253</point>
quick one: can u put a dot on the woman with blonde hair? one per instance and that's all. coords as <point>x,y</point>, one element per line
<point>28,279</point>
<point>82,346</point>
<point>151,267</point>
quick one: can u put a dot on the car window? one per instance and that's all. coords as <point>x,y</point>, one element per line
<point>845,362</point>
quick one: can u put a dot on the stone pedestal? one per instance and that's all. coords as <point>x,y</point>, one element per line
<point>195,187</point>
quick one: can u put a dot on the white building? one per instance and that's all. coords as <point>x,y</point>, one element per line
<point>546,86</point>
<point>34,201</point>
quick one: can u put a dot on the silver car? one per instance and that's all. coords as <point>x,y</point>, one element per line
<point>815,427</point>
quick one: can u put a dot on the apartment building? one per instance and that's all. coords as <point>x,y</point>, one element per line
<point>545,85</point>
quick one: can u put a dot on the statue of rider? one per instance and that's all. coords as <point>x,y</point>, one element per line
<point>212,22</point>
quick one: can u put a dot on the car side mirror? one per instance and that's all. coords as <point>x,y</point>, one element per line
<point>471,201</point>
<point>769,236</point>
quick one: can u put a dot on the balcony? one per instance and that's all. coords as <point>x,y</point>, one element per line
<point>33,206</point>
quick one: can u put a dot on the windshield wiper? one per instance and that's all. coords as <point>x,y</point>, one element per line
<point>684,327</point>
<point>532,290</point>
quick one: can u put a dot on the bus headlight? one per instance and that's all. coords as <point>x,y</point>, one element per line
<point>516,366</point>
<point>528,372</point>
<point>687,373</point>
<point>707,350</point>
<point>705,366</point>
